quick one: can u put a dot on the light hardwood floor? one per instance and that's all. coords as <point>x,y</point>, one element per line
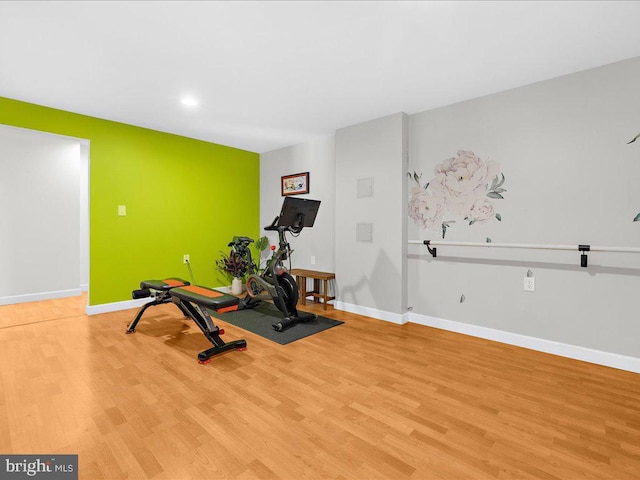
<point>365,400</point>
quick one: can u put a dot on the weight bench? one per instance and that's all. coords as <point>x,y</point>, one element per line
<point>193,301</point>
<point>160,291</point>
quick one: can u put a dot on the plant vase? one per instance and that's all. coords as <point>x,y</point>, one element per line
<point>236,286</point>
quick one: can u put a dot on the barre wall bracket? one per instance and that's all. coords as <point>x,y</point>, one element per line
<point>583,256</point>
<point>432,251</point>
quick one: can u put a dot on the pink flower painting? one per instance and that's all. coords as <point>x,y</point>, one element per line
<point>463,186</point>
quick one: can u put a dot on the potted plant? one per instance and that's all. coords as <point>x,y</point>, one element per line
<point>234,266</point>
<point>238,262</point>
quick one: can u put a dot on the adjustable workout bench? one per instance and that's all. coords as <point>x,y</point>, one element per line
<point>193,301</point>
<point>160,291</point>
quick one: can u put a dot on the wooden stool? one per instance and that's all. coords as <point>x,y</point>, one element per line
<point>301,279</point>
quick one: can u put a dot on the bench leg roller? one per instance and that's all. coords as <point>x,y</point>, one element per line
<point>235,345</point>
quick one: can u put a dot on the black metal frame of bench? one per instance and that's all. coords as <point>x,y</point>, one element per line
<point>194,302</point>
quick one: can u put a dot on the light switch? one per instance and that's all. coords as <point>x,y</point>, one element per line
<point>122,210</point>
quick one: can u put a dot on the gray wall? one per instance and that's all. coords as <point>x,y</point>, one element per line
<point>570,178</point>
<point>39,216</point>
<point>317,158</point>
<point>372,275</point>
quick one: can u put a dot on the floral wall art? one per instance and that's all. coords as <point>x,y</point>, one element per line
<point>465,190</point>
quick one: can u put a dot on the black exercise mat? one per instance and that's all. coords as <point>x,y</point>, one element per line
<point>259,320</point>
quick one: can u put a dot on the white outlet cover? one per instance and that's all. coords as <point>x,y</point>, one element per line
<point>529,284</point>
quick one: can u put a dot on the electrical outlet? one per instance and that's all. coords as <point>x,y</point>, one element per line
<point>186,259</point>
<point>313,260</point>
<point>529,284</point>
<point>122,210</point>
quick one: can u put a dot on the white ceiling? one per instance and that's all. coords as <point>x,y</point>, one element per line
<point>273,74</point>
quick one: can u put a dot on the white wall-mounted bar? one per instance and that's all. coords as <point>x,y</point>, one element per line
<point>583,248</point>
<point>592,248</point>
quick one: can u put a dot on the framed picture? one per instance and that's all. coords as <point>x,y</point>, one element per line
<point>295,184</point>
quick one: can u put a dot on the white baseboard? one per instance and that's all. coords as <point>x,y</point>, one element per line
<point>598,357</point>
<point>84,287</point>
<point>36,297</point>
<point>116,306</point>
<point>371,312</point>
<point>607,359</point>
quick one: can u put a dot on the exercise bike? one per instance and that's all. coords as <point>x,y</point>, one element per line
<point>241,254</point>
<point>275,282</point>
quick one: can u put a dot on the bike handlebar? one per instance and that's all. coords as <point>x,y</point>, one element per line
<point>274,227</point>
<point>240,241</point>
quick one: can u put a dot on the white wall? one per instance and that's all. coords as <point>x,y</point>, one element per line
<point>39,216</point>
<point>317,158</point>
<point>84,215</point>
<point>371,276</point>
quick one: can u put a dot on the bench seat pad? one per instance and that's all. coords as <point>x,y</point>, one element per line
<point>164,285</point>
<point>204,296</point>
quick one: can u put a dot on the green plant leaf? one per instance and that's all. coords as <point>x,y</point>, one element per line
<point>446,225</point>
<point>637,219</point>
<point>262,243</point>
<point>472,222</point>
<point>426,185</point>
<point>488,240</point>
<point>494,195</point>
<point>499,190</point>
<point>416,177</point>
<point>498,217</point>
<point>499,184</point>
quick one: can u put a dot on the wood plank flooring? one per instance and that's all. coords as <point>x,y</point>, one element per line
<point>365,400</point>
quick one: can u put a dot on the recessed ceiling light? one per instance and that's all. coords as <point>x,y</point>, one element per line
<point>189,102</point>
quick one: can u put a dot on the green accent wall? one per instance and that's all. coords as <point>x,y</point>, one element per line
<point>183,196</point>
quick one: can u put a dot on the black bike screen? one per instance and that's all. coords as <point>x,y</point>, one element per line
<point>298,212</point>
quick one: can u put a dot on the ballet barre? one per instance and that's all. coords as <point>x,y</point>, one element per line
<point>582,248</point>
